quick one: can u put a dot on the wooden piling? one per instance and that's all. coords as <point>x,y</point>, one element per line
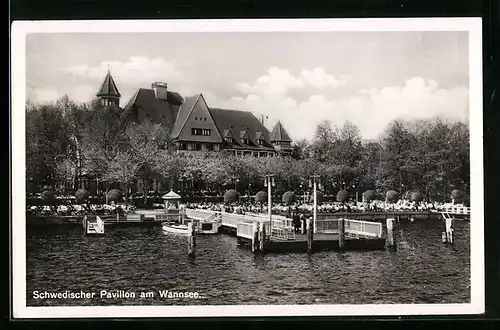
<point>391,244</point>
<point>341,223</point>
<point>255,236</point>
<point>310,237</point>
<point>262,236</point>
<point>191,240</point>
<point>449,230</point>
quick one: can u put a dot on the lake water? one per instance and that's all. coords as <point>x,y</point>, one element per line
<point>422,270</point>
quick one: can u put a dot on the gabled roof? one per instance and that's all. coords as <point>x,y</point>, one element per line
<point>183,114</point>
<point>228,133</point>
<point>244,135</point>
<point>258,136</point>
<point>108,87</point>
<point>240,121</point>
<point>160,111</point>
<point>279,134</point>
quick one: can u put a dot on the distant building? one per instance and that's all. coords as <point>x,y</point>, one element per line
<point>195,126</point>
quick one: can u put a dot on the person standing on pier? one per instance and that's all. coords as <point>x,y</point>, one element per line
<point>296,222</point>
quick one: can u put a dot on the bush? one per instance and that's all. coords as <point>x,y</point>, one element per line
<point>319,197</point>
<point>231,196</point>
<point>391,196</point>
<point>114,195</point>
<point>48,197</point>
<point>416,196</point>
<point>369,195</point>
<point>82,195</point>
<point>261,197</point>
<point>457,194</point>
<point>342,196</point>
<point>289,198</point>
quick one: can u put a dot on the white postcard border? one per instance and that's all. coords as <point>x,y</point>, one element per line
<point>18,96</point>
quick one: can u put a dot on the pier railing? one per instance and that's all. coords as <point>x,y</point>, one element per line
<point>363,228</point>
<point>282,228</point>
<point>197,214</point>
<point>353,227</point>
<point>245,229</point>
<point>457,210</point>
<point>327,226</point>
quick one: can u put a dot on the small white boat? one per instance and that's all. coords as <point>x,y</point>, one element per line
<point>93,225</point>
<point>175,229</point>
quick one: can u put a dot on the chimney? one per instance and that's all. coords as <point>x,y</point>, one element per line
<point>160,89</point>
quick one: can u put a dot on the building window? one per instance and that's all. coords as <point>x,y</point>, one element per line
<point>182,146</point>
<point>209,147</point>
<point>200,131</point>
<point>196,147</point>
<point>260,142</point>
<point>195,118</point>
<point>205,118</point>
<point>246,141</point>
<point>228,140</point>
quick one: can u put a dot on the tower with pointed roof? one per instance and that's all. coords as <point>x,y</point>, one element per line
<point>108,93</point>
<point>280,139</point>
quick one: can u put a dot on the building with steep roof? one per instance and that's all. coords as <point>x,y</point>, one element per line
<point>195,126</point>
<point>108,93</point>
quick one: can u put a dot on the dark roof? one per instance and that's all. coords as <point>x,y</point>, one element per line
<point>258,135</point>
<point>108,87</point>
<point>279,134</point>
<point>240,121</point>
<point>183,114</point>
<point>160,111</point>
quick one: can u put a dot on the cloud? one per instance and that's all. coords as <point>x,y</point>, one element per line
<point>280,81</point>
<point>276,81</point>
<point>370,109</point>
<point>319,79</point>
<point>138,68</point>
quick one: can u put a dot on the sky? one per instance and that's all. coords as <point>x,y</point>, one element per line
<point>299,78</point>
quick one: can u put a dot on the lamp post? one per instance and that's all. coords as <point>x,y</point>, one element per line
<point>315,179</point>
<point>269,182</point>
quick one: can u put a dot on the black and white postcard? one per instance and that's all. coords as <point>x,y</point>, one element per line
<point>247,168</point>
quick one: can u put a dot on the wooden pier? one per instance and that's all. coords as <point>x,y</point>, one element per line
<point>256,232</point>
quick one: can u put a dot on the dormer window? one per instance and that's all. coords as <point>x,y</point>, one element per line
<point>260,142</point>
<point>246,141</point>
<point>228,140</point>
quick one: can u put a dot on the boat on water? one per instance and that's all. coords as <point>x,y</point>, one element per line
<point>93,225</point>
<point>178,229</point>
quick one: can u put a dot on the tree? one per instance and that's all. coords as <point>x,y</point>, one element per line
<point>102,138</point>
<point>146,142</point>
<point>47,143</point>
<point>123,168</point>
<point>323,142</point>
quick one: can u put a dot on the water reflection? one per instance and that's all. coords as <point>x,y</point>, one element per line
<point>422,270</point>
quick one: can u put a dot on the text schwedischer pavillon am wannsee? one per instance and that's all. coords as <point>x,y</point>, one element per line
<point>118,294</point>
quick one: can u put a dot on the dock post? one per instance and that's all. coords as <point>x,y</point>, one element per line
<point>255,236</point>
<point>391,244</point>
<point>341,223</point>
<point>449,230</point>
<point>262,237</point>
<point>191,240</point>
<point>309,234</point>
